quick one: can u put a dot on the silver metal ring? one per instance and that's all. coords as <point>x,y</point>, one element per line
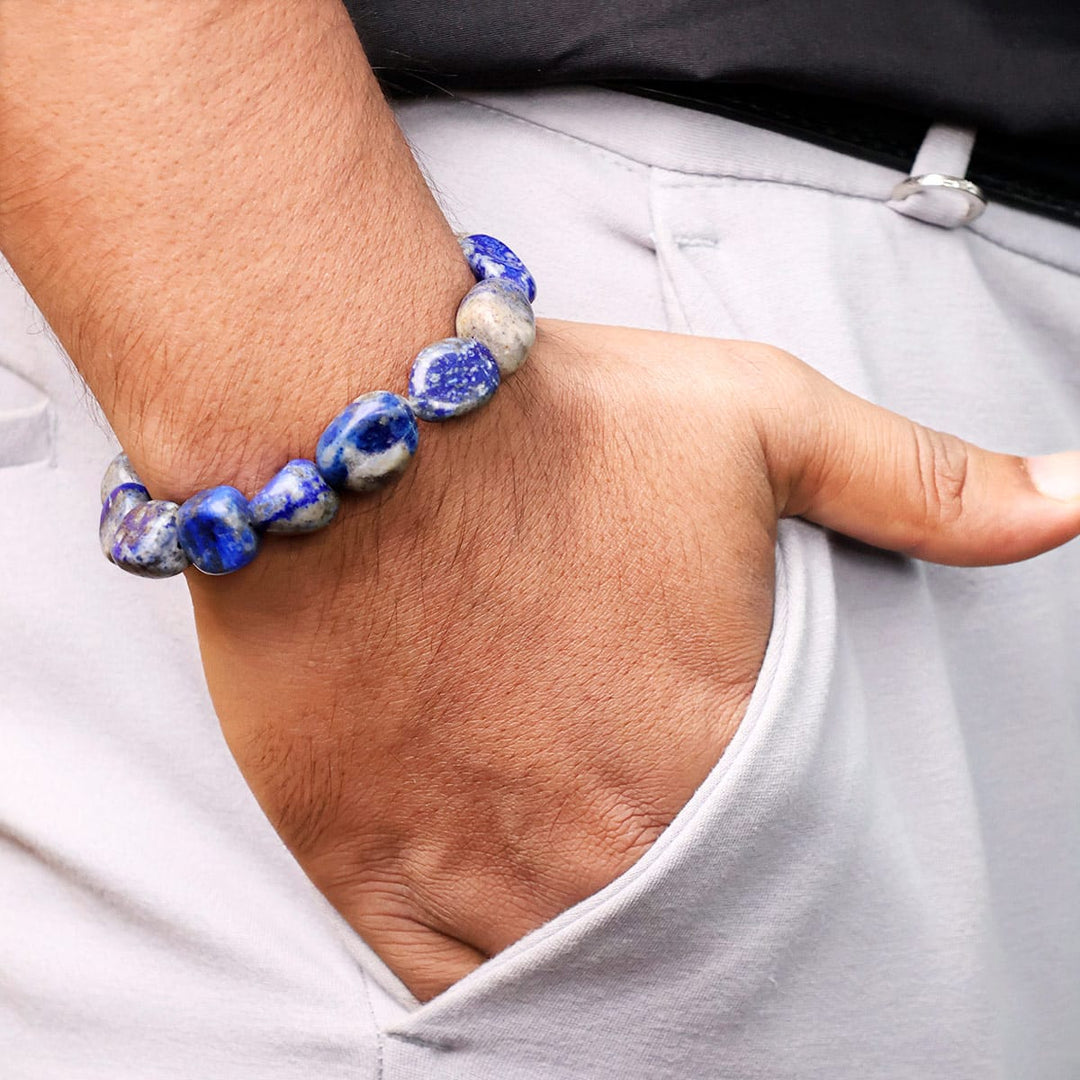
<point>974,194</point>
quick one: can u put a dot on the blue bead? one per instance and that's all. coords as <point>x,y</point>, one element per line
<point>118,503</point>
<point>296,500</point>
<point>147,541</point>
<point>216,531</point>
<point>369,443</point>
<point>491,258</point>
<point>451,378</point>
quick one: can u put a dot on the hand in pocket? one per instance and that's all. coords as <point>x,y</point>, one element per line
<point>480,697</point>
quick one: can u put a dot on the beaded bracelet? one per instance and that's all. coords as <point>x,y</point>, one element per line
<point>365,446</point>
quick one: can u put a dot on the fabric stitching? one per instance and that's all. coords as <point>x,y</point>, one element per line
<point>634,164</point>
<point>994,241</point>
<point>713,180</point>
<point>658,235</point>
<point>612,156</point>
<point>701,179</point>
<point>710,179</point>
<point>419,1040</point>
<point>374,1024</point>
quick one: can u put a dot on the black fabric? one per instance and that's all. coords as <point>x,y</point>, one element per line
<point>1011,66</point>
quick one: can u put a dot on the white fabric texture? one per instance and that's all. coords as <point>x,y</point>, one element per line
<point>881,877</point>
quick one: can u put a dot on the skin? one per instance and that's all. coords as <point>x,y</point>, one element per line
<point>481,695</point>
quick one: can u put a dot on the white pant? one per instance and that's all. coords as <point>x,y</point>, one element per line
<point>881,877</point>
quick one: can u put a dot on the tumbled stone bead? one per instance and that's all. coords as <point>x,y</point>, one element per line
<point>296,500</point>
<point>147,541</point>
<point>368,443</point>
<point>491,258</point>
<point>452,377</point>
<point>497,314</point>
<point>216,530</point>
<point>119,472</point>
<point>120,500</point>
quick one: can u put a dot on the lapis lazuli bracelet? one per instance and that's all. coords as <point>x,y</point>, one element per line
<point>365,446</point>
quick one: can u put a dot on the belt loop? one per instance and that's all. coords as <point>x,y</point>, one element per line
<point>936,191</point>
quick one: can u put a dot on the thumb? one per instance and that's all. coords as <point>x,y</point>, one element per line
<point>859,469</point>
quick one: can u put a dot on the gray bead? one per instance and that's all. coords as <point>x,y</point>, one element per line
<point>148,542</point>
<point>120,471</point>
<point>499,315</point>
<point>117,505</point>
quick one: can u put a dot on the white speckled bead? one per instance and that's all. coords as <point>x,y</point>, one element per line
<point>147,541</point>
<point>120,471</point>
<point>118,503</point>
<point>498,315</point>
<point>296,500</point>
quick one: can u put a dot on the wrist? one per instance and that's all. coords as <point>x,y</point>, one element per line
<point>221,222</point>
<point>237,408</point>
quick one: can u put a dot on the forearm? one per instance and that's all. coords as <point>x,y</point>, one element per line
<point>214,209</point>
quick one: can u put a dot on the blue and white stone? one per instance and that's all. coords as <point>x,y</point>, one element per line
<point>296,500</point>
<point>118,503</point>
<point>147,541</point>
<point>369,443</point>
<point>491,258</point>
<point>497,314</point>
<point>216,530</point>
<point>119,472</point>
<point>451,378</point>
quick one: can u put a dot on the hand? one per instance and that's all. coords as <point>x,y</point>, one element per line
<point>479,697</point>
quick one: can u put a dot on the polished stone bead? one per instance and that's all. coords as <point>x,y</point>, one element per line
<point>122,499</point>
<point>216,531</point>
<point>296,500</point>
<point>497,314</point>
<point>491,258</point>
<point>120,471</point>
<point>147,541</point>
<point>369,443</point>
<point>451,378</point>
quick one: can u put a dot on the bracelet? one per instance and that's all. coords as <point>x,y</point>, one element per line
<point>366,446</point>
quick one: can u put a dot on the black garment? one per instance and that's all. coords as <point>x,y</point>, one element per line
<point>1007,65</point>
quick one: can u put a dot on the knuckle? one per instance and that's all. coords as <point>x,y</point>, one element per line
<point>943,463</point>
<point>770,375</point>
